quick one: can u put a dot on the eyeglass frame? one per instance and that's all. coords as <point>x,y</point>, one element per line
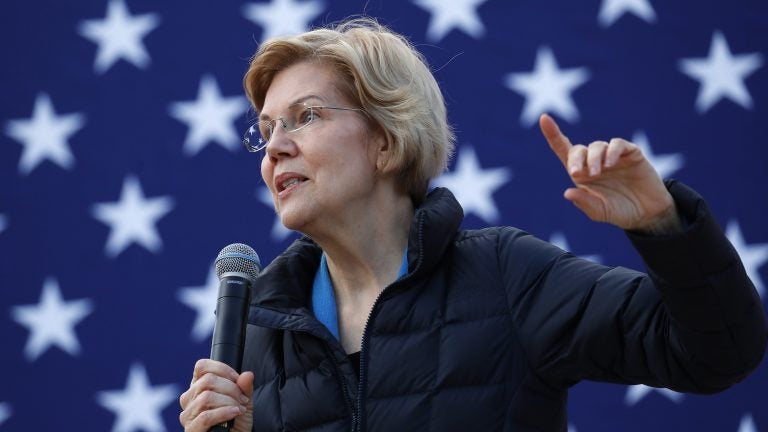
<point>253,129</point>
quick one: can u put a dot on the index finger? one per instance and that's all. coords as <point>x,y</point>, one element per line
<point>559,143</point>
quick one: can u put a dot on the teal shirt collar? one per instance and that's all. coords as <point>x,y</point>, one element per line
<point>324,299</point>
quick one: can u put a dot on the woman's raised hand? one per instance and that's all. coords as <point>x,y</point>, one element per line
<point>614,183</point>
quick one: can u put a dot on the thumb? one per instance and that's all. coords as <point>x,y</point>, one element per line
<point>591,205</point>
<point>245,382</point>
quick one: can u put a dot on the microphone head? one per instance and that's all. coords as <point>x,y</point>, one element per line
<point>239,259</point>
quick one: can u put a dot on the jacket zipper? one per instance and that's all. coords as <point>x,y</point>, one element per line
<point>364,342</point>
<point>344,388</point>
<point>360,382</point>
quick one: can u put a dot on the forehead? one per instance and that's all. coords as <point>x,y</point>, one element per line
<point>297,82</point>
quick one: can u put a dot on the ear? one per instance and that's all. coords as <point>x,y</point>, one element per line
<point>378,149</point>
<point>381,146</point>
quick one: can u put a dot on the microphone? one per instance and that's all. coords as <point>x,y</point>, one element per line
<point>237,266</point>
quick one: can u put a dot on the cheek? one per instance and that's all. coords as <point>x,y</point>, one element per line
<point>266,172</point>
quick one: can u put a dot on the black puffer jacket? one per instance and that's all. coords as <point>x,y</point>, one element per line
<point>490,328</point>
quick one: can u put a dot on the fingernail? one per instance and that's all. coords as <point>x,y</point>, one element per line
<point>242,409</point>
<point>593,171</point>
<point>244,399</point>
<point>574,169</point>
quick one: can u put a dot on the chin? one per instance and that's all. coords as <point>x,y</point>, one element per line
<point>292,221</point>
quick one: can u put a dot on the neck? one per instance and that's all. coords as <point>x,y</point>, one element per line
<point>364,251</point>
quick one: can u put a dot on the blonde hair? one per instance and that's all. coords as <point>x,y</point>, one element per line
<point>383,73</point>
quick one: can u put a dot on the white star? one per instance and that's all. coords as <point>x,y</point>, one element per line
<point>51,321</point>
<point>138,406</point>
<point>612,10</point>
<point>119,35</point>
<point>203,300</point>
<point>473,186</point>
<point>666,164</point>
<point>753,256</point>
<point>747,424</point>
<point>132,218</point>
<point>721,74</point>
<point>637,392</point>
<point>547,88</point>
<point>45,135</point>
<point>446,16</point>
<point>210,117</point>
<point>5,412</point>
<point>283,17</point>
<point>558,239</point>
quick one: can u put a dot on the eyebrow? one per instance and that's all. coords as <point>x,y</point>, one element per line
<point>263,116</point>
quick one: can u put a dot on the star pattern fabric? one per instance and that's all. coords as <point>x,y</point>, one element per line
<point>665,164</point>
<point>721,74</point>
<point>283,17</point>
<point>747,424</point>
<point>132,219</point>
<point>457,14</point>
<point>548,88</point>
<point>210,118</point>
<point>119,36</point>
<point>45,136</point>
<point>5,412</point>
<point>139,405</point>
<point>612,10</point>
<point>123,173</point>
<point>753,256</point>
<point>474,186</point>
<point>636,393</point>
<point>52,321</point>
<point>202,299</point>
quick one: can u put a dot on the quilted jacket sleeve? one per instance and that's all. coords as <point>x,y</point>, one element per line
<point>694,323</point>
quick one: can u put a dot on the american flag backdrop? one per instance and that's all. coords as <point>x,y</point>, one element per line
<point>122,174</point>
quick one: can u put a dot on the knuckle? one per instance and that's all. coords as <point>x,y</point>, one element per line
<point>578,149</point>
<point>619,142</point>
<point>200,366</point>
<point>205,382</point>
<point>206,399</point>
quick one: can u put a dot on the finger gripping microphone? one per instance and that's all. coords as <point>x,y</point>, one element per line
<point>237,266</point>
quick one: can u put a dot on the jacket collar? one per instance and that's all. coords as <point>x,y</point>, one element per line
<point>284,287</point>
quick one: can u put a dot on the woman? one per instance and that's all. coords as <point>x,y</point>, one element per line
<point>388,317</point>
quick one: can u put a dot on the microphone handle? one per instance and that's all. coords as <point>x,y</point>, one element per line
<point>229,333</point>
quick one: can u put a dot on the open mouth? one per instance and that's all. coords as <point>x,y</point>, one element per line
<point>289,183</point>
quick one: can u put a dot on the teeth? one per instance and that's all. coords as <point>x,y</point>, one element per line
<point>290,182</point>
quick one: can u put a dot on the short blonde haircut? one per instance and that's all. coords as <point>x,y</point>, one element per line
<point>383,73</point>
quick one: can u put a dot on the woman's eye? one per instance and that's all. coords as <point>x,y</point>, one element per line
<point>265,130</point>
<point>307,116</point>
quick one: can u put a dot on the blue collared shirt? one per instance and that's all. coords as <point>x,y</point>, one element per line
<point>324,299</point>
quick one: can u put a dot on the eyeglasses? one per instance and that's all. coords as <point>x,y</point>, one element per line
<point>299,116</point>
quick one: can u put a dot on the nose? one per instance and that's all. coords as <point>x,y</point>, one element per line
<point>280,144</point>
